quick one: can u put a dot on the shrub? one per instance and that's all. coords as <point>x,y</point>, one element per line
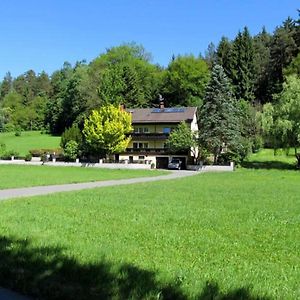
<point>18,131</point>
<point>9,127</point>
<point>40,152</point>
<point>2,148</point>
<point>257,143</point>
<point>236,153</point>
<point>28,157</point>
<point>8,154</point>
<point>203,156</point>
<point>71,134</point>
<point>71,150</point>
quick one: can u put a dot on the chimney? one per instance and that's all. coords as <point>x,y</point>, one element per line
<point>161,102</point>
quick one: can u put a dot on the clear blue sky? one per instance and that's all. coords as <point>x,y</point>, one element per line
<point>42,34</point>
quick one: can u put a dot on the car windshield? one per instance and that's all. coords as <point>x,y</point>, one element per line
<point>175,161</point>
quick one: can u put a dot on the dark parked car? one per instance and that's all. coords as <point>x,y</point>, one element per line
<point>175,164</point>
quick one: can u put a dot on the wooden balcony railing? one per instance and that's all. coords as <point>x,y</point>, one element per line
<point>147,150</point>
<point>153,151</point>
<point>149,136</point>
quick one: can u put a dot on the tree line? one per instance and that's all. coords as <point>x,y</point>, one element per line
<point>253,69</point>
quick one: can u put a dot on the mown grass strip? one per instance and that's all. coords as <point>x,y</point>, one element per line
<point>13,176</point>
<point>224,235</point>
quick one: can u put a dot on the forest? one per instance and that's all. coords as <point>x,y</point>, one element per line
<point>257,67</point>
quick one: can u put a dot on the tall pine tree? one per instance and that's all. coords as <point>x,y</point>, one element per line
<point>283,50</point>
<point>224,52</point>
<point>219,115</point>
<point>242,74</point>
<point>6,85</point>
<point>261,44</point>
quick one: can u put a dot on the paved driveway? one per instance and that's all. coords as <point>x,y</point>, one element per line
<point>44,190</point>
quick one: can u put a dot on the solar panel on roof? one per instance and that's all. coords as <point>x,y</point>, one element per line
<point>169,110</point>
<point>174,110</point>
<point>156,110</point>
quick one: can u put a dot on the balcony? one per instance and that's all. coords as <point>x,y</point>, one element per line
<point>148,150</point>
<point>149,136</point>
<point>153,151</point>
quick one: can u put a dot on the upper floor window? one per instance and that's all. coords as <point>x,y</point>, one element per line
<point>141,129</point>
<point>166,130</point>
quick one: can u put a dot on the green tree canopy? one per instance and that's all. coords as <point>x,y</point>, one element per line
<point>185,80</point>
<point>261,44</point>
<point>224,52</point>
<point>106,130</point>
<point>243,66</point>
<point>211,55</point>
<point>6,85</point>
<point>71,134</point>
<point>183,138</point>
<point>54,118</point>
<point>283,49</point>
<point>293,67</point>
<point>125,73</point>
<point>281,121</point>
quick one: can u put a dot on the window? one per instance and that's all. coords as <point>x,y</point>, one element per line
<point>141,130</point>
<point>140,145</point>
<point>142,157</point>
<point>166,130</point>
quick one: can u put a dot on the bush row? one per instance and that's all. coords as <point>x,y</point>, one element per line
<point>41,152</point>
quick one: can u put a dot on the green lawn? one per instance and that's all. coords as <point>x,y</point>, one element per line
<point>214,236</point>
<point>24,176</point>
<point>266,159</point>
<point>28,140</point>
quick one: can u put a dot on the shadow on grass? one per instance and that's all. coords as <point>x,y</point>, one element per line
<point>268,165</point>
<point>46,273</point>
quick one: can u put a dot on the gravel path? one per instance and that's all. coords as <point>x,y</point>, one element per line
<point>44,190</point>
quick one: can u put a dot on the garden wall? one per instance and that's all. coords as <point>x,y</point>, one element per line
<point>211,168</point>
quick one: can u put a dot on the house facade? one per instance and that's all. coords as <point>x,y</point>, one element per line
<point>152,127</point>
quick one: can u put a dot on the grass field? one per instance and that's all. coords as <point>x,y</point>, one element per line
<point>211,236</point>
<point>266,159</point>
<point>13,176</point>
<point>28,140</point>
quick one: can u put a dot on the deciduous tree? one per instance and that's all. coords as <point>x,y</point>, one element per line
<point>282,120</point>
<point>185,80</point>
<point>183,138</point>
<point>106,130</point>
